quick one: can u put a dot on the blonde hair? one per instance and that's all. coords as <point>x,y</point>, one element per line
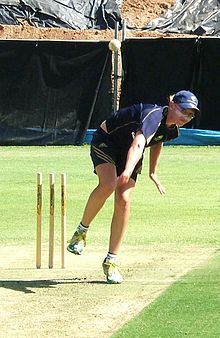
<point>170,98</point>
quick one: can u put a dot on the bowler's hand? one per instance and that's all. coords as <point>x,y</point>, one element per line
<point>124,177</point>
<point>159,186</point>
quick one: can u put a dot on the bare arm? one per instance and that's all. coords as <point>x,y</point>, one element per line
<point>155,151</point>
<point>134,154</point>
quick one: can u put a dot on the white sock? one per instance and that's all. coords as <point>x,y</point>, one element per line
<point>82,228</point>
<point>112,257</point>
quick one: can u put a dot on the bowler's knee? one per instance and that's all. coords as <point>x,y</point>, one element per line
<point>108,188</point>
<point>122,200</point>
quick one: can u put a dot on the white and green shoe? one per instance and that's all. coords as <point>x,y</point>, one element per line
<point>77,243</point>
<point>113,275</point>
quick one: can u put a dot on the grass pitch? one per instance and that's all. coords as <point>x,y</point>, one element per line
<point>188,216</point>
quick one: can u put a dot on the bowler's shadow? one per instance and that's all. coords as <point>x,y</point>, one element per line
<point>27,286</point>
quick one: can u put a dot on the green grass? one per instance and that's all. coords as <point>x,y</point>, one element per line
<point>185,215</point>
<point>189,308</point>
<point>19,167</point>
<point>188,214</point>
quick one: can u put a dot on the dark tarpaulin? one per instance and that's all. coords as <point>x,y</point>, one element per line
<point>74,14</point>
<point>209,83</point>
<point>156,68</point>
<point>52,92</point>
<point>200,17</point>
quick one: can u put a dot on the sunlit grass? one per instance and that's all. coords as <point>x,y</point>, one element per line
<point>189,213</point>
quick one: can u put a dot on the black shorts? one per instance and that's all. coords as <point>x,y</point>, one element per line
<point>103,150</point>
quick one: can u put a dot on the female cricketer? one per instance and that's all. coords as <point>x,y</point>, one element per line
<point>117,151</point>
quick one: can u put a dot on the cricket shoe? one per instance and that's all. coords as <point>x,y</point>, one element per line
<point>77,243</point>
<point>113,276</point>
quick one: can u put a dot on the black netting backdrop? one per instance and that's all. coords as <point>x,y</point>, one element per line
<point>156,68</point>
<point>209,83</point>
<point>51,92</point>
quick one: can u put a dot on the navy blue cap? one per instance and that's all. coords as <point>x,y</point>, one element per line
<point>186,100</point>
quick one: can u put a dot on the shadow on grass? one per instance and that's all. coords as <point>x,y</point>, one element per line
<point>28,285</point>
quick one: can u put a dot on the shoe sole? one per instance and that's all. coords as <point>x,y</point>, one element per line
<point>75,252</point>
<point>113,282</point>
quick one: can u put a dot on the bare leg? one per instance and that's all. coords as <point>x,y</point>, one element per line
<point>121,215</point>
<point>107,183</point>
